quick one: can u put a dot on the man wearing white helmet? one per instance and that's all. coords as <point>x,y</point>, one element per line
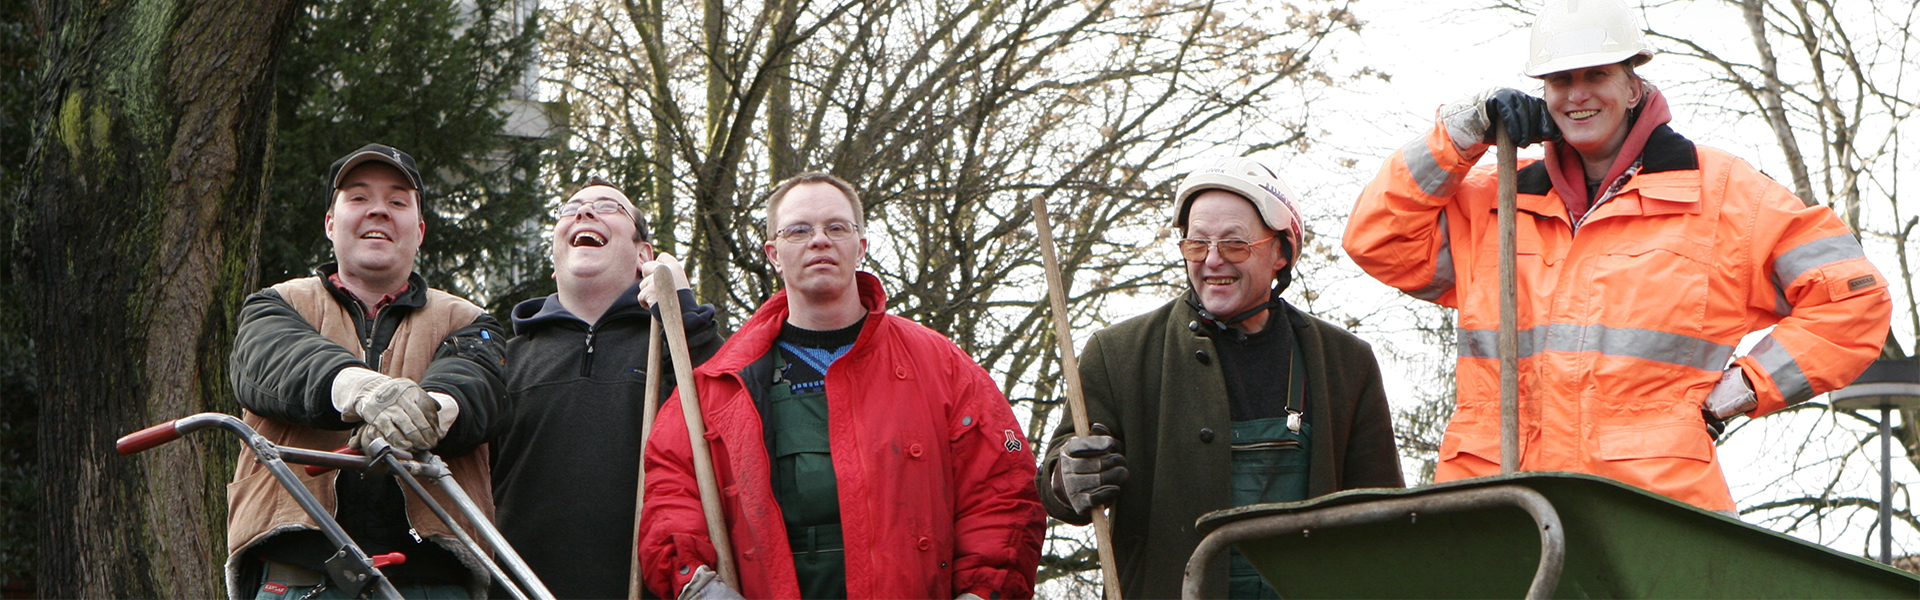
<point>1643,260</point>
<point>1224,397</point>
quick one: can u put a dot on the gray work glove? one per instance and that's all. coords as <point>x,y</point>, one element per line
<point>1470,121</point>
<point>706,585</point>
<point>409,418</point>
<point>1732,396</point>
<point>1090,470</point>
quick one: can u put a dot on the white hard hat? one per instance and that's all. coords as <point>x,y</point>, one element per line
<point>1575,34</point>
<point>1253,181</point>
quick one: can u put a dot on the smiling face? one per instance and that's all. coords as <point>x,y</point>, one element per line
<point>375,224</point>
<point>591,245</point>
<point>1228,288</point>
<point>1590,105</point>
<point>818,267</point>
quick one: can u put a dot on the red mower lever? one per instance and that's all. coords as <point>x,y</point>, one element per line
<point>390,558</point>
<point>142,440</point>
<point>317,470</point>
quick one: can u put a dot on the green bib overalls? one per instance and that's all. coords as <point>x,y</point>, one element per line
<point>804,485</point>
<point>1269,465</point>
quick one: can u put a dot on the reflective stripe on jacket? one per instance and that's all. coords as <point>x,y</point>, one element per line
<point>935,475</point>
<point>1625,327</point>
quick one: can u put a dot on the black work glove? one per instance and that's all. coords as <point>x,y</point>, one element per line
<point>1526,118</point>
<point>1090,470</point>
<point>1715,426</point>
<point>1470,121</point>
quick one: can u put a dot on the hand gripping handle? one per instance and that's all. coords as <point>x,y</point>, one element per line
<point>142,440</point>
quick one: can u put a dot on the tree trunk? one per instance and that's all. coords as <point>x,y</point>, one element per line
<point>153,121</point>
<point>1776,114</point>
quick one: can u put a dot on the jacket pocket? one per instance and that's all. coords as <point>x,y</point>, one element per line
<point>1483,447</point>
<point>1680,440</point>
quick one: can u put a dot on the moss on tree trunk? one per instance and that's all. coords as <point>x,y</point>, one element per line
<point>153,120</point>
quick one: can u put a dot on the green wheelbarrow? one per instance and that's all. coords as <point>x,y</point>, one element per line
<point>1544,535</point>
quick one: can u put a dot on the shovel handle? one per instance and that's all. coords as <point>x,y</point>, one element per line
<point>145,439</point>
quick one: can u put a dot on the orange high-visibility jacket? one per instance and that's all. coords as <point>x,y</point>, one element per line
<point>1625,327</point>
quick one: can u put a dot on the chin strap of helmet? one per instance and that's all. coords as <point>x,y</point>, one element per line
<point>1225,326</point>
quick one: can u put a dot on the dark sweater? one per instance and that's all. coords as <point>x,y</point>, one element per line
<point>568,459</point>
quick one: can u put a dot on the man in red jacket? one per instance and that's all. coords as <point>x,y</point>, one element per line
<point>859,454</point>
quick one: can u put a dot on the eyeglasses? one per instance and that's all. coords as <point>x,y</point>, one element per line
<point>603,206</point>
<point>838,231</point>
<point>1232,250</point>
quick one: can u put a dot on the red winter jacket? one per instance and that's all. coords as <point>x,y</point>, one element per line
<point>935,477</point>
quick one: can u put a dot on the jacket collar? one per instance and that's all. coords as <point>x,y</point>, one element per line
<point>537,313</point>
<point>756,336</point>
<point>1666,150</point>
<point>415,296</point>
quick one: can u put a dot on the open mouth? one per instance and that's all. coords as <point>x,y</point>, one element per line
<point>1219,280</point>
<point>376,235</point>
<point>588,238</point>
<point>1582,114</point>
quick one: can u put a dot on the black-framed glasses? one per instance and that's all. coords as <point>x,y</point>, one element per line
<point>1232,250</point>
<point>602,206</point>
<point>838,231</point>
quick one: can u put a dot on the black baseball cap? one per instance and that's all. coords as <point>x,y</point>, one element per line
<point>373,153</point>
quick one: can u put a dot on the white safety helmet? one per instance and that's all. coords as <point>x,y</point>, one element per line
<point>1575,34</point>
<point>1256,183</point>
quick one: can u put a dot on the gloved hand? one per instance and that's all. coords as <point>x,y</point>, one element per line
<point>353,393</point>
<point>706,585</point>
<point>1090,470</point>
<point>648,295</point>
<point>1470,121</point>
<point>1715,425</point>
<point>446,409</point>
<point>409,419</point>
<point>1732,396</point>
<point>969,596</point>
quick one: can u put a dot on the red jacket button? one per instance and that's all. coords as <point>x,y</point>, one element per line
<point>914,450</point>
<point>925,543</point>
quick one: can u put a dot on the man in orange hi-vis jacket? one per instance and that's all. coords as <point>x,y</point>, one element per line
<point>1643,260</point>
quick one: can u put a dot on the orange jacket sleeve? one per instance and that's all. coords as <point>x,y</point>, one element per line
<point>1830,303</point>
<point>1401,230</point>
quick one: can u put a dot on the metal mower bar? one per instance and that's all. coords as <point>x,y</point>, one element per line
<point>350,568</point>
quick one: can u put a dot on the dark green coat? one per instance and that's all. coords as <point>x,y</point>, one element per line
<point>1157,385</point>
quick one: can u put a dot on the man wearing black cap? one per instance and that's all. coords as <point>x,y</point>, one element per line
<point>362,350</point>
<point>1225,397</point>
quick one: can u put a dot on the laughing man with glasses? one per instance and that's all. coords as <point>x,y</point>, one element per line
<point>567,461</point>
<point>1237,397</point>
